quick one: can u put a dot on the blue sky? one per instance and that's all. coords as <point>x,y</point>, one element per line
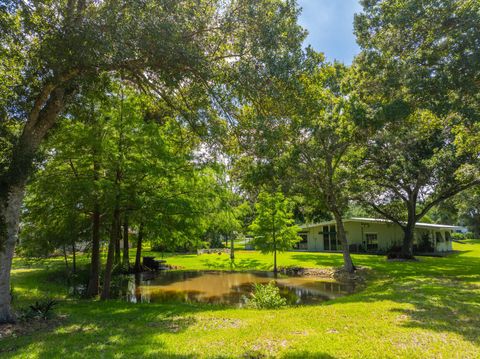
<point>330,27</point>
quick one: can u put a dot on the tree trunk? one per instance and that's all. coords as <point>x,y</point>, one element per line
<point>347,259</point>
<point>407,246</point>
<point>41,118</point>
<point>232,248</point>
<point>118,238</point>
<point>95,262</point>
<point>125,259</point>
<point>274,254</point>
<point>65,259</point>
<point>275,261</point>
<point>138,255</point>
<point>94,281</point>
<point>409,228</point>
<point>11,198</point>
<point>74,257</point>
<point>110,255</point>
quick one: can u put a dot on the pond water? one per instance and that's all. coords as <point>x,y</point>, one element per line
<point>221,287</point>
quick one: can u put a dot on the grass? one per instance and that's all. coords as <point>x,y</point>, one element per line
<point>424,309</point>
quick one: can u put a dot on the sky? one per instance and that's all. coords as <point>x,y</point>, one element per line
<point>330,27</point>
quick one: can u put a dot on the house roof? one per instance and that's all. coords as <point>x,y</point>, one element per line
<point>377,220</point>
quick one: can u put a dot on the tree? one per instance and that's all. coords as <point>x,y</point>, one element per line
<point>463,210</point>
<point>417,72</point>
<point>229,210</point>
<point>274,229</point>
<point>323,140</point>
<point>410,166</point>
<point>468,204</point>
<point>57,49</point>
<point>306,141</point>
<point>423,52</point>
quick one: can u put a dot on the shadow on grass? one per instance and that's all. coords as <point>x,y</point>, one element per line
<point>307,355</point>
<point>109,329</point>
<point>444,292</point>
<point>443,295</point>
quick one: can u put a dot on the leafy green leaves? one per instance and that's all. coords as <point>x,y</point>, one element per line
<point>274,228</point>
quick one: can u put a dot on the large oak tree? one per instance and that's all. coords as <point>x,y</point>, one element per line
<point>418,72</point>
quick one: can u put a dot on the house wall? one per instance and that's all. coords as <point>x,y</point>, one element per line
<point>388,234</point>
<point>315,240</point>
<point>440,243</point>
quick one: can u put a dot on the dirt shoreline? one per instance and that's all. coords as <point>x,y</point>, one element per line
<point>329,273</point>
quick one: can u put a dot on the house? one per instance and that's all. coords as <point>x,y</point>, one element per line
<point>460,229</point>
<point>374,235</point>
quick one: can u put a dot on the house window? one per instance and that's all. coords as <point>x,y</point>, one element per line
<point>330,242</point>
<point>326,238</point>
<point>448,237</point>
<point>333,238</point>
<point>303,243</point>
<point>371,240</point>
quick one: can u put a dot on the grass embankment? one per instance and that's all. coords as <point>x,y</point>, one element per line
<point>429,308</point>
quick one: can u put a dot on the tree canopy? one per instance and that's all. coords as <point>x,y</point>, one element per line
<point>273,228</point>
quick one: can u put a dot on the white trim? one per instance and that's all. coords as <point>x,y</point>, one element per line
<point>377,220</point>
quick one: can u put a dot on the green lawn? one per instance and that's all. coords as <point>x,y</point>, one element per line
<point>425,309</point>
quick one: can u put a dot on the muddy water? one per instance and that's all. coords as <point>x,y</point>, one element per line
<point>224,287</point>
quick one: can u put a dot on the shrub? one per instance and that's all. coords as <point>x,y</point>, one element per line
<point>265,297</point>
<point>463,236</point>
<point>458,236</point>
<point>40,310</point>
<point>394,252</point>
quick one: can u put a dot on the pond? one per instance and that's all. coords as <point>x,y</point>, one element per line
<point>220,287</point>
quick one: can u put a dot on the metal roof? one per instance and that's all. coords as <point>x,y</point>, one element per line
<point>377,220</point>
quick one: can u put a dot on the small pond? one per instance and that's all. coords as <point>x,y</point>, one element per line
<point>220,287</point>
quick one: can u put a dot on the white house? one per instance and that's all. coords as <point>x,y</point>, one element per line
<point>374,235</point>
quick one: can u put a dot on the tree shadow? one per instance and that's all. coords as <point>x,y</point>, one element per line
<point>307,355</point>
<point>443,295</point>
<point>443,291</point>
<point>93,329</point>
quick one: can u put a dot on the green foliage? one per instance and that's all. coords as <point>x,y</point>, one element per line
<point>265,296</point>
<point>199,59</point>
<point>407,300</point>
<point>109,148</point>
<point>458,236</point>
<point>415,73</point>
<point>43,309</point>
<point>470,235</point>
<point>274,228</point>
<point>413,158</point>
<point>325,138</point>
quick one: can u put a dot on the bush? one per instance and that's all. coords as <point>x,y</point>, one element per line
<point>265,297</point>
<point>458,236</point>
<point>40,310</point>
<point>463,236</point>
<point>394,252</point>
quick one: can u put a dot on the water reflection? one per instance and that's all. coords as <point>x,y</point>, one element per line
<point>223,287</point>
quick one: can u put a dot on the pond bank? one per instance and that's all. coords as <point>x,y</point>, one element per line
<point>338,274</point>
